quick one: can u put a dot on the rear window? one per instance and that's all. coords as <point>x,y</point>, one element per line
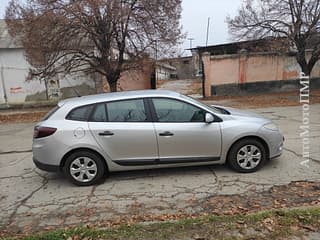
<point>50,113</point>
<point>80,113</point>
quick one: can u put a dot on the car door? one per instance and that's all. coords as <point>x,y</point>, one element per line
<point>125,132</point>
<point>182,133</point>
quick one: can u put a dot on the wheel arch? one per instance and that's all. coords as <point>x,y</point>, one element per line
<point>64,158</point>
<point>261,140</point>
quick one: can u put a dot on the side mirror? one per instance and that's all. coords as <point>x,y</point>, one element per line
<point>209,118</point>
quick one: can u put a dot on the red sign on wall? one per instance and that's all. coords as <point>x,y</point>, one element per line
<point>16,90</point>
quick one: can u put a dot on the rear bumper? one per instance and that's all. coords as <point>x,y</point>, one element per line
<point>46,167</point>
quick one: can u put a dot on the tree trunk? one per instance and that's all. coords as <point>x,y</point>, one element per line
<point>303,64</point>
<point>305,69</point>
<point>113,86</point>
<point>312,62</point>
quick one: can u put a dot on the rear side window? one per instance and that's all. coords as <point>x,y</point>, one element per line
<point>126,111</point>
<point>80,113</point>
<point>50,113</point>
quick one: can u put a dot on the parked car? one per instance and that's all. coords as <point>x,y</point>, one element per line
<point>87,137</point>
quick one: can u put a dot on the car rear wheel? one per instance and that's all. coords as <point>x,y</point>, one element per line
<point>247,155</point>
<point>84,168</point>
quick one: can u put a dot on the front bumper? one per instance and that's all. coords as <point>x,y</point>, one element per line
<point>276,148</point>
<point>46,167</point>
<point>275,141</point>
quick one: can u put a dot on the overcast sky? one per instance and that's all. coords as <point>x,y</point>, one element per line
<point>194,20</point>
<point>195,15</point>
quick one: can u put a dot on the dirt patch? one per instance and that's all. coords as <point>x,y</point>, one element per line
<point>295,194</point>
<point>189,87</point>
<point>22,117</point>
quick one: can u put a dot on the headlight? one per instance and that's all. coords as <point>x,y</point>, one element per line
<point>271,126</point>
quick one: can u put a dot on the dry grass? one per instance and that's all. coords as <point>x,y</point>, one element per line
<point>280,224</point>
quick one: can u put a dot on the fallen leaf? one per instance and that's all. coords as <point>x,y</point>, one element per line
<point>294,228</point>
<point>268,221</point>
<point>269,228</point>
<point>276,202</point>
<point>310,228</point>
<point>197,237</point>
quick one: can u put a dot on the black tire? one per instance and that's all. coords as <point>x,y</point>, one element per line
<point>93,159</point>
<point>232,156</point>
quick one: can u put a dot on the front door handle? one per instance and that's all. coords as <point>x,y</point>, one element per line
<point>166,134</point>
<point>106,133</point>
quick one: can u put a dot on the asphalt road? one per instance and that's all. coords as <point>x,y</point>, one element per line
<point>31,199</point>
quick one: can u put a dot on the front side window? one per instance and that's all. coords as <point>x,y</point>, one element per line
<point>99,114</point>
<point>80,113</point>
<point>170,110</point>
<point>126,111</point>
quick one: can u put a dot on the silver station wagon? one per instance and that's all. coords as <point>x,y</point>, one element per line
<point>87,137</point>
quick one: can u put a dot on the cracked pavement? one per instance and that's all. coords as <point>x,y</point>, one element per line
<point>33,200</point>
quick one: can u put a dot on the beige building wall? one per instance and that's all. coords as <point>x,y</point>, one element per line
<point>14,89</point>
<point>134,79</point>
<point>244,68</point>
<point>263,68</point>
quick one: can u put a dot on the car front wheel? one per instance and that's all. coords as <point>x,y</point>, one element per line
<point>84,168</point>
<point>247,155</point>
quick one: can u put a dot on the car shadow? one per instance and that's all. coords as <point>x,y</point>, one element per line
<point>160,172</point>
<point>167,171</point>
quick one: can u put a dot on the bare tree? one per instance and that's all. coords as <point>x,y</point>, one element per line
<point>294,22</point>
<point>92,36</point>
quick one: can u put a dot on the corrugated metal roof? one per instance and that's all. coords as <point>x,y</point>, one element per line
<point>6,40</point>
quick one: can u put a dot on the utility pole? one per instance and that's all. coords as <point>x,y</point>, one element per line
<point>208,27</point>
<point>156,72</point>
<point>190,39</point>
<point>153,78</point>
<point>156,52</point>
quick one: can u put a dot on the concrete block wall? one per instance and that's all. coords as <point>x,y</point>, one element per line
<point>239,69</point>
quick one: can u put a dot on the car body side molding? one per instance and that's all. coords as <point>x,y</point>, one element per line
<point>141,162</point>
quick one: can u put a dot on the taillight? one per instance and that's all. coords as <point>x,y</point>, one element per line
<point>40,132</point>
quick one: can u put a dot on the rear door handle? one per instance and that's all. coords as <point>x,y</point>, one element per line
<point>166,133</point>
<point>106,133</point>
